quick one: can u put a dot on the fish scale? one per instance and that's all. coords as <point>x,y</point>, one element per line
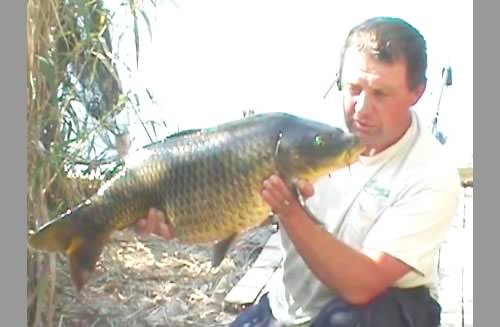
<point>208,182</point>
<point>226,165</point>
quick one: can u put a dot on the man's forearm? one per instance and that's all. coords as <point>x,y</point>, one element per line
<point>352,274</point>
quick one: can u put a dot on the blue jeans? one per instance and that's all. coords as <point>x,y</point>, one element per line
<point>394,308</point>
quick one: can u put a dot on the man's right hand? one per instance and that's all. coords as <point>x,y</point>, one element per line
<point>155,223</point>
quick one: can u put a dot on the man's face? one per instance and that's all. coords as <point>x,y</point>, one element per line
<point>376,99</point>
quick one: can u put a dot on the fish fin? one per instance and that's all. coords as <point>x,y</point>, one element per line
<point>57,234</point>
<point>53,236</point>
<point>83,254</point>
<point>184,132</point>
<point>300,198</point>
<point>220,250</point>
<point>161,142</point>
<point>64,235</point>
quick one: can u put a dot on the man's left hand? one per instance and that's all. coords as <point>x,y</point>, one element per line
<point>281,199</point>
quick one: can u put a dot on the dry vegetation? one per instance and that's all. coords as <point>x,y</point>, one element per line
<point>146,281</point>
<point>74,95</point>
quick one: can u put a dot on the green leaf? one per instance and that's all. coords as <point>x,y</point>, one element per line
<point>47,67</point>
<point>136,35</point>
<point>106,62</point>
<point>137,102</point>
<point>146,19</point>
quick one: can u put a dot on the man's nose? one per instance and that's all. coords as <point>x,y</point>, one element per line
<point>362,103</point>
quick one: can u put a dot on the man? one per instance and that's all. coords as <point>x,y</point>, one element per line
<point>371,263</point>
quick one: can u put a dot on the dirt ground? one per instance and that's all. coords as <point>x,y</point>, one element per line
<point>146,281</point>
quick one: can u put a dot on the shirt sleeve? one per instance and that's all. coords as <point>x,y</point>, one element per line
<point>413,228</point>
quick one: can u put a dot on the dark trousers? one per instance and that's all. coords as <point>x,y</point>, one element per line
<point>394,308</point>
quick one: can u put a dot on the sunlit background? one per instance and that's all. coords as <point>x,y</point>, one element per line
<point>208,61</point>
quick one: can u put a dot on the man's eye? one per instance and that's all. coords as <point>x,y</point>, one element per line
<point>353,89</point>
<point>379,93</point>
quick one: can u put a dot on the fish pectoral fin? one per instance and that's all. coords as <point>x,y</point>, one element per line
<point>220,250</point>
<point>83,254</point>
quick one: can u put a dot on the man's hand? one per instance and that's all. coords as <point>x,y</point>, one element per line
<point>281,199</point>
<point>357,277</point>
<point>155,223</point>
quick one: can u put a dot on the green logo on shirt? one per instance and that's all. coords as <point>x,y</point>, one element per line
<point>373,189</point>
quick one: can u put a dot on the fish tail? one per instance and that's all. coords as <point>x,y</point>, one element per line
<point>82,249</point>
<point>83,254</point>
<point>55,236</point>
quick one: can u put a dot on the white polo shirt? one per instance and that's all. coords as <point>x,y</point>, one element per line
<point>400,201</point>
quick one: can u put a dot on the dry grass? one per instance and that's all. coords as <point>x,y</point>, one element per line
<point>146,281</point>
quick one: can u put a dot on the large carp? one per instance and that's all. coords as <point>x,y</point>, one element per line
<point>208,181</point>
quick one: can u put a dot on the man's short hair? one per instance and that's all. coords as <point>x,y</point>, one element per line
<point>389,39</point>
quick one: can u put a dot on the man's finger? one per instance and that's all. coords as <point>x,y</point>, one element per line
<point>306,189</point>
<point>151,220</point>
<point>270,198</point>
<point>141,226</point>
<point>165,231</point>
<point>279,186</point>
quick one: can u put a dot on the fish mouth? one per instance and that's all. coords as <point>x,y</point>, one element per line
<point>355,150</point>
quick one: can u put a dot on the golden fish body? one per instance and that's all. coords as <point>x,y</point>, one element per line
<point>207,181</point>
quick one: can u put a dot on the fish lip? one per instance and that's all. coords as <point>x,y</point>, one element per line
<point>355,150</point>
<point>354,154</point>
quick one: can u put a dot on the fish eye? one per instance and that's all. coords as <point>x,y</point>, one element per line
<point>318,140</point>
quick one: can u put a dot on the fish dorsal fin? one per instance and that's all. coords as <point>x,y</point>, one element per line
<point>184,133</point>
<point>172,136</point>
<point>220,250</point>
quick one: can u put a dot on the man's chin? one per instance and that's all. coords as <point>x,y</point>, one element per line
<point>365,138</point>
<point>366,135</point>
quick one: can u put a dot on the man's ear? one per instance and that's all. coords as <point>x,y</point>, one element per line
<point>418,92</point>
